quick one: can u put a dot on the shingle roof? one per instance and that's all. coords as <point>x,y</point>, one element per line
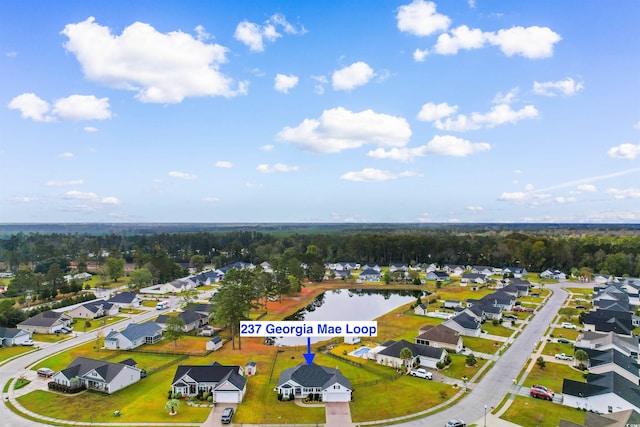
<point>599,358</point>
<point>10,332</point>
<point>440,333</point>
<point>313,376</point>
<point>135,331</point>
<point>608,382</point>
<point>123,298</point>
<point>416,349</point>
<point>465,320</point>
<point>47,318</point>
<point>214,373</point>
<point>81,365</point>
<point>95,306</point>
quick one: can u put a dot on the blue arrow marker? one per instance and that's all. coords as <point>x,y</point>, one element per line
<point>308,356</point>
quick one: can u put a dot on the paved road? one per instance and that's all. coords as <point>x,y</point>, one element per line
<point>498,381</point>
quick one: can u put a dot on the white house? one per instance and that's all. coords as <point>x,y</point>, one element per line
<point>134,335</point>
<point>94,310</point>
<point>306,380</point>
<point>607,392</point>
<point>13,336</point>
<point>106,377</point>
<point>226,384</point>
<point>126,300</point>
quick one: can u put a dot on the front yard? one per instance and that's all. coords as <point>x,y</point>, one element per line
<point>9,352</point>
<point>552,376</point>
<point>481,345</point>
<point>526,411</point>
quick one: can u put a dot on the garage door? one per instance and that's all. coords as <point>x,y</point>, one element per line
<point>227,397</point>
<point>336,397</point>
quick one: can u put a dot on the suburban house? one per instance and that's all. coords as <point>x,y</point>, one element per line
<point>225,383</point>
<point>13,336</point>
<point>369,275</point>
<point>473,278</point>
<point>450,303</point>
<point>616,419</point>
<point>499,299</point>
<point>606,340</point>
<point>421,309</point>
<point>440,336</point>
<point>177,286</point>
<point>517,272</point>
<point>375,267</point>
<point>327,384</point>
<point>106,377</point>
<point>235,266</point>
<point>480,269</point>
<point>608,321</point>
<point>615,361</point>
<point>553,274</point>
<point>465,324</point>
<point>191,319</point>
<point>47,322</point>
<point>423,355</point>
<point>438,276</point>
<point>126,300</point>
<point>134,335</point>
<point>454,270</point>
<point>607,392</point>
<point>94,310</point>
<point>398,267</point>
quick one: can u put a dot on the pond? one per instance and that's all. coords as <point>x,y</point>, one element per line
<point>349,304</point>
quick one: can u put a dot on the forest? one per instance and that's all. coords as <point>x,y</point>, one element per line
<point>613,249</point>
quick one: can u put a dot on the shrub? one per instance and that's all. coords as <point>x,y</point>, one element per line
<point>210,399</point>
<point>440,365</point>
<point>169,393</point>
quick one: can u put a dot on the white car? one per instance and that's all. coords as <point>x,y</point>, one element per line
<point>422,373</point>
<point>28,342</point>
<point>562,356</point>
<point>568,325</point>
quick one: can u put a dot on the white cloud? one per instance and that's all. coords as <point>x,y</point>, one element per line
<point>31,107</point>
<point>419,55</point>
<point>498,115</point>
<point>224,164</point>
<point>63,183</point>
<point>563,200</point>
<point>182,175</point>
<point>587,188</point>
<point>285,82</point>
<point>90,129</point>
<point>461,37</point>
<point>319,87</point>
<point>475,208</point>
<point>507,98</point>
<point>375,175</point>
<point>339,129</point>
<point>278,167</point>
<point>529,187</point>
<point>627,193</point>
<point>79,195</point>
<point>66,155</point>
<point>159,67</point>
<point>82,107</point>
<point>625,151</point>
<point>446,145</point>
<point>11,54</point>
<point>211,199</point>
<point>23,199</point>
<point>431,112</point>
<point>421,19</point>
<point>110,201</point>
<point>518,171</point>
<point>267,147</point>
<point>531,42</point>
<point>567,87</point>
<point>636,126</point>
<point>516,196</point>
<point>254,35</point>
<point>356,74</point>
<point>202,34</point>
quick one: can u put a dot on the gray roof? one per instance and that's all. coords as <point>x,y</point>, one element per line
<point>95,306</point>
<point>598,384</point>
<point>10,332</point>
<point>313,376</point>
<point>416,349</point>
<point>214,373</point>
<point>81,365</point>
<point>135,331</point>
<point>466,321</point>
<point>599,358</point>
<point>44,319</point>
<point>123,298</point>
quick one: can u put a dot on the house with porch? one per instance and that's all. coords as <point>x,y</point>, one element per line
<point>191,320</point>
<point>105,377</point>
<point>473,278</point>
<point>423,355</point>
<point>314,381</point>
<point>369,275</point>
<point>440,336</point>
<point>226,384</point>
<point>438,276</point>
<point>133,336</point>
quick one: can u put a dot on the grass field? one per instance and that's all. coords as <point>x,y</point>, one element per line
<point>570,334</point>
<point>498,329</point>
<point>553,348</point>
<point>526,411</point>
<point>9,352</point>
<point>82,325</point>
<point>552,376</point>
<point>481,345</point>
<point>458,369</point>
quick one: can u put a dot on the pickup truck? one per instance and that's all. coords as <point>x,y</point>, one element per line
<point>562,356</point>
<point>421,373</point>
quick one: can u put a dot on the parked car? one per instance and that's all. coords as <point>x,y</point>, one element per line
<point>227,415</point>
<point>568,325</point>
<point>564,341</point>
<point>45,372</point>
<point>510,317</point>
<point>540,393</point>
<point>455,423</point>
<point>66,330</point>
<point>581,307</point>
<point>562,356</point>
<point>523,309</point>
<point>541,387</point>
<point>422,373</point>
<point>28,342</point>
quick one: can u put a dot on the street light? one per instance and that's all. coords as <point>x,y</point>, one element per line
<point>485,415</point>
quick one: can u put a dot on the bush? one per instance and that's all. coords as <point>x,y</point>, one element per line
<point>210,399</point>
<point>169,393</point>
<point>440,365</point>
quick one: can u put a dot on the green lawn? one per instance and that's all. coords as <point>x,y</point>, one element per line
<point>570,334</point>
<point>584,291</point>
<point>80,325</point>
<point>458,369</point>
<point>481,345</point>
<point>49,337</point>
<point>498,329</point>
<point>552,376</point>
<point>553,348</point>
<point>526,411</point>
<point>9,352</point>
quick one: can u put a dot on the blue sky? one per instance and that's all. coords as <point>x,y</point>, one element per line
<point>291,111</point>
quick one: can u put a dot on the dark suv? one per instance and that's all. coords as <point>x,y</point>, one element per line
<point>227,414</point>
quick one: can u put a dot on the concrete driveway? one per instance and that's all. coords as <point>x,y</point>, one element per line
<point>215,417</point>
<point>338,414</point>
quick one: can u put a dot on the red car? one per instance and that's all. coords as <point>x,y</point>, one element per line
<point>541,394</point>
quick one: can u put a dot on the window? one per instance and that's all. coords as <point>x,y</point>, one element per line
<point>610,409</point>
